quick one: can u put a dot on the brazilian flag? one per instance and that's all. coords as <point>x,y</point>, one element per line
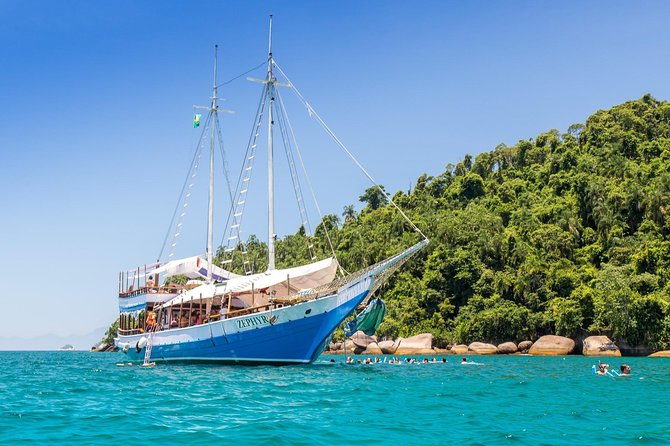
<point>196,120</point>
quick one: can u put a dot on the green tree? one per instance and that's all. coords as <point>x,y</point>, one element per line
<point>374,197</point>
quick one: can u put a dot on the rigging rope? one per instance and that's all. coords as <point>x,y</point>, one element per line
<point>314,114</point>
<point>189,176</point>
<point>309,183</point>
<point>243,74</point>
<point>282,119</point>
<point>234,220</point>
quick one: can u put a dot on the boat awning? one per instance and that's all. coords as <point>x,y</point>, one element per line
<point>282,281</point>
<point>299,278</point>
<point>193,268</point>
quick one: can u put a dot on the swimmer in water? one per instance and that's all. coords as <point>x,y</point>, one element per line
<point>602,368</point>
<point>464,360</point>
<point>625,370</point>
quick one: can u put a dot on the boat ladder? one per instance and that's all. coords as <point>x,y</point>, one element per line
<point>147,352</point>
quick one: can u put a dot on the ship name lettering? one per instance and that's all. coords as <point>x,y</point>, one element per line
<point>252,321</point>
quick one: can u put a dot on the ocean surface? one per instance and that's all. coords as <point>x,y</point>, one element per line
<point>85,398</point>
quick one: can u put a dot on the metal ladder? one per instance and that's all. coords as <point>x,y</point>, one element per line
<point>147,352</point>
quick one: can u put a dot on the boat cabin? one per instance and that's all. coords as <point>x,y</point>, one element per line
<point>146,304</point>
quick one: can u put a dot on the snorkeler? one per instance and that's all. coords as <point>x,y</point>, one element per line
<point>625,370</point>
<point>602,368</point>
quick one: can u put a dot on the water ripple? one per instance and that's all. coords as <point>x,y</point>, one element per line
<point>66,397</point>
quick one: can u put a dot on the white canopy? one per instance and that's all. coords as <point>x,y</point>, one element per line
<point>282,281</point>
<point>193,268</point>
<point>301,277</point>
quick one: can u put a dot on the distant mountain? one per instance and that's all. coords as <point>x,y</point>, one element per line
<point>53,342</point>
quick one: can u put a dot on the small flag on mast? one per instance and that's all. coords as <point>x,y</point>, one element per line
<point>196,120</point>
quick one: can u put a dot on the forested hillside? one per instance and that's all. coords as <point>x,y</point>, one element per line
<point>566,233</point>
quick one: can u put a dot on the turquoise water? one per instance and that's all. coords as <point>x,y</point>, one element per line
<point>79,397</point>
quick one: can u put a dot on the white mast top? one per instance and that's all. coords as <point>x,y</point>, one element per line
<point>271,207</point>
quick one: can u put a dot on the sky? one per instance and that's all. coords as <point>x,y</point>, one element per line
<point>96,107</point>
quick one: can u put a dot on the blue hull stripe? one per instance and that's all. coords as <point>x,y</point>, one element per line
<point>297,341</point>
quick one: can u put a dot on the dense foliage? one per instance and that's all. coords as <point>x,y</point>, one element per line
<point>111,333</point>
<point>566,233</point>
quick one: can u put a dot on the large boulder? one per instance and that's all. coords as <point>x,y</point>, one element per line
<point>103,346</point>
<point>373,349</point>
<point>335,346</point>
<point>419,344</point>
<point>459,349</point>
<point>524,346</point>
<point>600,346</point>
<point>551,345</point>
<point>388,347</point>
<point>360,339</point>
<point>507,348</point>
<point>661,354</point>
<point>481,348</point>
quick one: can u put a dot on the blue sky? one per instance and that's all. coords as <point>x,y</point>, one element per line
<point>96,106</point>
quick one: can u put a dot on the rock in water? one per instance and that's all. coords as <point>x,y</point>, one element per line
<point>661,354</point>
<point>507,348</point>
<point>550,345</point>
<point>524,346</point>
<point>419,344</point>
<point>459,349</point>
<point>482,349</point>
<point>360,339</point>
<point>600,346</point>
<point>387,347</point>
<point>373,349</point>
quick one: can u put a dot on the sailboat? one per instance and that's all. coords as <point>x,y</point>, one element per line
<point>278,316</point>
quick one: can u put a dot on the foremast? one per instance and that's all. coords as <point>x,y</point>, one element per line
<point>213,108</point>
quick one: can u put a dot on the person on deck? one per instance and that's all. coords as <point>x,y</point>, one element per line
<point>183,322</point>
<point>151,321</point>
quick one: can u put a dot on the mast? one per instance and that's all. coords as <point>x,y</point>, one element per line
<point>210,207</point>
<point>271,206</point>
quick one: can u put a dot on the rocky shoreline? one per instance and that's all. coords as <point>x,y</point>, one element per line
<point>548,345</point>
<point>104,347</point>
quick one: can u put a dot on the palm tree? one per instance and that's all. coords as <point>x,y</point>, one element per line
<point>349,213</point>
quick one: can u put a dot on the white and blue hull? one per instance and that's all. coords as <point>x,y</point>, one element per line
<point>290,335</point>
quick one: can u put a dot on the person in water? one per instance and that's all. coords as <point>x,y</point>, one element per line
<point>625,370</point>
<point>464,360</point>
<point>602,368</point>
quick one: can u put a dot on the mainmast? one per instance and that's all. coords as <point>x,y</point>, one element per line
<point>271,206</point>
